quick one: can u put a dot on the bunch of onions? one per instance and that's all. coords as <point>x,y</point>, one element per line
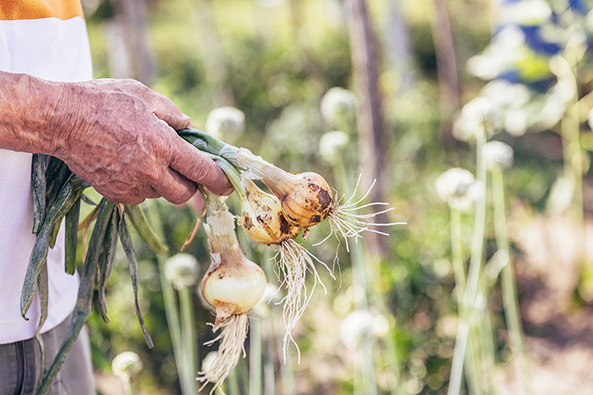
<point>306,198</point>
<point>232,285</point>
<point>298,201</point>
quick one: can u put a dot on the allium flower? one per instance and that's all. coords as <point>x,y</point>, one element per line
<point>526,12</point>
<point>331,144</point>
<point>271,295</point>
<point>478,116</point>
<point>458,188</point>
<point>380,325</point>
<point>126,364</point>
<point>516,121</point>
<point>182,270</point>
<point>500,55</point>
<point>338,105</point>
<point>506,94</point>
<point>225,123</point>
<point>498,155</point>
<point>208,361</point>
<point>357,328</point>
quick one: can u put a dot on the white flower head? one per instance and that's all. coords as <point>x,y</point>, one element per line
<point>506,94</point>
<point>516,121</point>
<point>499,55</point>
<point>271,294</point>
<point>590,120</point>
<point>458,188</point>
<point>478,116</point>
<point>498,155</point>
<point>226,123</point>
<point>526,12</point>
<point>126,364</point>
<point>208,361</point>
<point>338,105</point>
<point>331,145</point>
<point>182,270</point>
<point>380,325</point>
<point>357,328</point>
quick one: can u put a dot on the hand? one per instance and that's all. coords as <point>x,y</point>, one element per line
<point>120,137</point>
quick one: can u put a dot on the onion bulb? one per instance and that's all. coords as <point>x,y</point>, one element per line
<point>233,284</point>
<point>261,216</point>
<point>306,198</point>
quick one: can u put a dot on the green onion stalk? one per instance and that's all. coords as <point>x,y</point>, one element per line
<point>475,285</point>
<point>186,371</point>
<point>566,70</point>
<point>509,293</point>
<point>460,354</point>
<point>364,272</point>
<point>366,363</point>
<point>255,357</point>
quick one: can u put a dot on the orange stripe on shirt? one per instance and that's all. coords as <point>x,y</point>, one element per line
<point>37,9</point>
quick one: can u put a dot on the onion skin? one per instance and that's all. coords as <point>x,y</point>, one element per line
<point>262,218</point>
<point>306,198</point>
<point>233,288</point>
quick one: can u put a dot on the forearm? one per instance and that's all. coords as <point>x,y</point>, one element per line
<point>118,135</point>
<point>27,105</point>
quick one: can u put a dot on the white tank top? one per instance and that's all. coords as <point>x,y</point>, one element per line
<point>47,39</point>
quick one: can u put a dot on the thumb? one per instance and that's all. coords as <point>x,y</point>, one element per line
<point>198,167</point>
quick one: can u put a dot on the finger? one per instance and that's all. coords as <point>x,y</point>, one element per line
<point>197,166</point>
<point>197,202</point>
<point>151,193</point>
<point>121,198</point>
<point>166,110</point>
<point>175,188</point>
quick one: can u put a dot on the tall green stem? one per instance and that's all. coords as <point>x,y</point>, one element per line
<point>255,357</point>
<point>186,376</point>
<point>269,373</point>
<point>188,332</point>
<point>573,157</point>
<point>461,351</point>
<point>509,293</point>
<point>233,380</point>
<point>474,285</point>
<point>359,275</point>
<point>459,273</point>
<point>477,251</point>
<point>287,370</point>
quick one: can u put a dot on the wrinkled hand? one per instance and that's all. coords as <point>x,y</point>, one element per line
<point>119,136</point>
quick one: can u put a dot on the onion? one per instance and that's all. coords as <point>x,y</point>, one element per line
<point>232,285</point>
<point>306,198</point>
<point>261,216</point>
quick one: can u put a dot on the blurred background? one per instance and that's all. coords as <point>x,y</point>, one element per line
<point>425,84</point>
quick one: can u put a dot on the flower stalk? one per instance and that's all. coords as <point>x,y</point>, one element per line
<point>509,292</point>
